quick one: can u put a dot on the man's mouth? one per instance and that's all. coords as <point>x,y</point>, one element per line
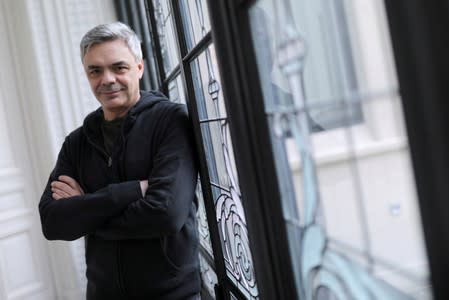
<point>111,90</point>
<point>110,93</point>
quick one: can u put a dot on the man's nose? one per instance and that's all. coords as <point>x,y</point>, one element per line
<point>108,78</point>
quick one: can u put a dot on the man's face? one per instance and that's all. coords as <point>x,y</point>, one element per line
<point>113,74</point>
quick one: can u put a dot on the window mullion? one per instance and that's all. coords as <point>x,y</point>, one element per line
<point>156,45</point>
<point>186,74</point>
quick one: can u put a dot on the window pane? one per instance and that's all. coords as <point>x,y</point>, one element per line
<point>206,255</point>
<point>329,72</point>
<point>222,172</point>
<point>167,37</point>
<point>176,90</point>
<point>203,227</point>
<point>195,18</point>
<point>208,276</point>
<point>348,194</point>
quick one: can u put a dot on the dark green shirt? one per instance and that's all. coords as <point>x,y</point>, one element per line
<point>111,131</point>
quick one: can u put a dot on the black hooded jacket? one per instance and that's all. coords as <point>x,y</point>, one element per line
<point>136,247</point>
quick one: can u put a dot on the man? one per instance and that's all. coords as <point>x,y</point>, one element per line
<point>126,180</point>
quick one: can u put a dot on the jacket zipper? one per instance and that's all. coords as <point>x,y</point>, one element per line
<point>121,286</point>
<point>119,271</point>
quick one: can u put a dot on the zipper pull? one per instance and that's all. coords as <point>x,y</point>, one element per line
<point>109,161</point>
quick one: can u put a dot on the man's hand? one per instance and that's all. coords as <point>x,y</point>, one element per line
<point>144,186</point>
<point>65,187</point>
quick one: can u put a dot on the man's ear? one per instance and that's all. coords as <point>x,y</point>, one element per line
<point>141,68</point>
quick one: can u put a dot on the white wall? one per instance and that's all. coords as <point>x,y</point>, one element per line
<point>44,96</point>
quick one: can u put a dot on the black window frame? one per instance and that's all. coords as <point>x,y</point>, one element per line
<point>225,288</point>
<point>420,43</point>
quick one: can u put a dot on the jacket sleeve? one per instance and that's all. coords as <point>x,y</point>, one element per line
<point>171,187</point>
<point>74,217</point>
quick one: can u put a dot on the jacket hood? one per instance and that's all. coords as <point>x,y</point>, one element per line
<point>147,100</point>
<point>91,124</point>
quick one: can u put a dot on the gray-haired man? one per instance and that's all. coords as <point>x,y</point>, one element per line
<point>125,180</point>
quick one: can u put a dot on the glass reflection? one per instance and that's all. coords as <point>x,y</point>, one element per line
<point>203,227</point>
<point>208,277</point>
<point>176,91</point>
<point>331,154</point>
<point>195,18</point>
<point>166,34</point>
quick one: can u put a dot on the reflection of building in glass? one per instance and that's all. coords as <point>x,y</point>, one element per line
<point>351,231</point>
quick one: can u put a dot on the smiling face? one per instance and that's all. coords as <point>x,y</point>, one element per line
<point>113,75</point>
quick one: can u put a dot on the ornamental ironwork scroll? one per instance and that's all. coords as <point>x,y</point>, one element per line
<point>228,205</point>
<point>229,209</point>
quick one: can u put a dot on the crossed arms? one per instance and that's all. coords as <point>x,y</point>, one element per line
<point>66,187</point>
<point>146,208</point>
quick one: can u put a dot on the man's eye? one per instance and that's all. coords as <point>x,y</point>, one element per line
<point>94,72</point>
<point>121,68</point>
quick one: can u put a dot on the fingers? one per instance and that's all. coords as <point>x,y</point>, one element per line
<point>72,183</point>
<point>69,180</point>
<point>58,194</point>
<point>60,190</point>
<point>59,185</point>
<point>65,187</point>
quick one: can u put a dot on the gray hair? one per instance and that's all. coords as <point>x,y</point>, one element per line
<point>110,32</point>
